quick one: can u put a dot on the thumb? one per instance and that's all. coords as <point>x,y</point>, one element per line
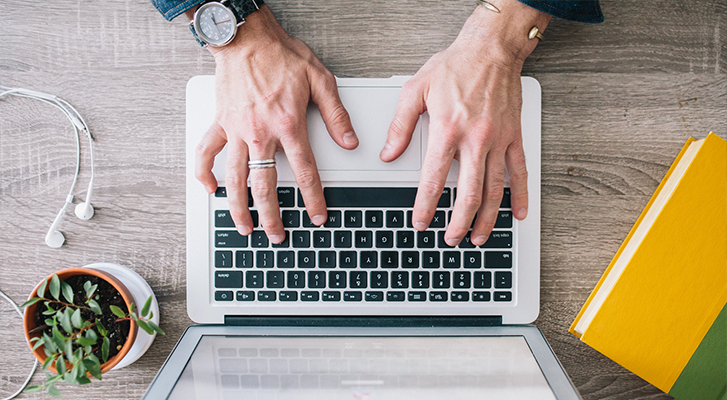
<point>324,92</point>
<point>411,106</point>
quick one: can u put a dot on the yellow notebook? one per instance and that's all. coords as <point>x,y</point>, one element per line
<point>659,309</point>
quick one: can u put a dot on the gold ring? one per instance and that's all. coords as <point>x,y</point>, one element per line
<point>260,164</point>
<point>535,33</point>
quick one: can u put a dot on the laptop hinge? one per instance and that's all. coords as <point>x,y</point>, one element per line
<point>363,321</point>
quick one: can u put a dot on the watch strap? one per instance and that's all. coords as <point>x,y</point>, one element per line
<point>196,37</point>
<point>245,7</point>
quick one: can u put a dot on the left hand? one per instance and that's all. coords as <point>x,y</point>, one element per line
<point>473,95</point>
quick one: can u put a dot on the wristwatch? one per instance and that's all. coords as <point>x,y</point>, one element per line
<point>215,23</point>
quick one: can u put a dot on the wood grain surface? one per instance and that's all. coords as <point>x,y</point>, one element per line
<point>619,100</point>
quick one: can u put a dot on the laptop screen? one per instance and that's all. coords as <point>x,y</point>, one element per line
<point>283,367</point>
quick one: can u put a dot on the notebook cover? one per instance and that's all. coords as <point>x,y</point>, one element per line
<point>674,288</point>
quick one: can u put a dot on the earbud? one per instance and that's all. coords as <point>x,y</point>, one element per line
<point>55,238</point>
<point>85,210</point>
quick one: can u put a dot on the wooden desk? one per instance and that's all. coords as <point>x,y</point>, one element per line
<point>619,100</point>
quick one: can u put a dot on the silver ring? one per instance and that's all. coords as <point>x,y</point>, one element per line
<point>260,164</point>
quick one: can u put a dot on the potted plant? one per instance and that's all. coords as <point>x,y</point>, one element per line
<point>83,322</point>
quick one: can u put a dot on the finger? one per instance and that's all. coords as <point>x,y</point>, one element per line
<point>469,194</point>
<point>491,198</point>
<point>411,106</point>
<point>212,143</point>
<point>303,163</point>
<point>437,161</point>
<point>236,186</point>
<point>263,183</point>
<point>518,171</point>
<point>324,92</point>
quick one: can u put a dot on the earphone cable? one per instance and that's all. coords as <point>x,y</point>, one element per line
<point>35,364</point>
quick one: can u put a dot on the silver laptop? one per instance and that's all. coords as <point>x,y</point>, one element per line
<point>364,306</point>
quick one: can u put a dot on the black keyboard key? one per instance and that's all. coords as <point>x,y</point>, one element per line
<point>395,219</point>
<point>321,239</point>
<point>264,259</point>
<point>327,259</point>
<point>460,296</point>
<point>405,239</point>
<point>358,280</point>
<point>369,259</point>
<point>223,295</point>
<point>417,296</point>
<point>499,240</point>
<point>275,280</point>
<point>374,197</point>
<point>307,223</point>
<point>504,220</point>
<point>220,192</point>
<point>296,280</point>
<point>228,279</point>
<point>438,220</point>
<point>437,296</point>
<point>230,239</point>
<point>352,219</point>
<point>316,279</point>
<point>451,259</point>
<point>254,279</point>
<point>379,280</point>
<point>462,280</point>
<point>223,259</point>
<point>266,295</point>
<point>466,242</point>
<point>430,259</point>
<point>331,296</point>
<point>389,259</point>
<point>425,239</point>
<point>337,280</point>
<point>472,259</point>
<point>255,218</point>
<point>342,239</point>
<point>286,197</point>
<point>288,295</point>
<point>245,295</point>
<point>259,239</point>
<point>502,296</point>
<point>420,280</point>
<point>441,243</point>
<point>374,219</point>
<point>309,296</point>
<point>409,222</point>
<point>352,296</point>
<point>483,280</point>
<point>503,280</point>
<point>306,259</point>
<point>243,259</point>
<point>334,219</point>
<point>285,243</point>
<point>505,203</point>
<point>440,280</point>
<point>223,219</point>
<point>384,239</point>
<point>286,259</point>
<point>395,296</point>
<point>480,296</point>
<point>375,296</point>
<point>291,218</point>
<point>498,259</point>
<point>347,259</point>
<point>399,280</point>
<point>364,239</point>
<point>301,239</point>
<point>410,259</point>
<point>445,201</point>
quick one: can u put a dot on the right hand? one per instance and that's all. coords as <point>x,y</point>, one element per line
<point>263,81</point>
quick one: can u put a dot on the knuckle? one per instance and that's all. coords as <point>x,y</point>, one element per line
<point>339,115</point>
<point>430,189</point>
<point>470,201</point>
<point>262,191</point>
<point>306,178</point>
<point>234,179</point>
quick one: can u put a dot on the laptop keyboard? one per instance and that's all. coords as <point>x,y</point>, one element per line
<point>367,251</point>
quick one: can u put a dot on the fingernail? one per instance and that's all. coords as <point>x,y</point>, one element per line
<point>350,138</point>
<point>318,220</point>
<point>451,242</point>
<point>420,226</point>
<point>209,190</point>
<point>522,213</point>
<point>276,238</point>
<point>479,240</point>
<point>244,230</point>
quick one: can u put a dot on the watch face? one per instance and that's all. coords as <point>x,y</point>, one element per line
<point>215,24</point>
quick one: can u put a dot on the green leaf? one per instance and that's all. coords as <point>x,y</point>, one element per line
<point>145,327</point>
<point>33,389</point>
<point>91,335</point>
<point>65,319</point>
<point>95,307</point>
<point>41,288</point>
<point>87,287</point>
<point>55,286</point>
<point>48,361</point>
<point>83,380</point>
<point>90,291</point>
<point>147,306</point>
<point>68,351</point>
<point>53,391</point>
<point>83,342</point>
<point>133,315</point>
<point>156,327</point>
<point>70,376</point>
<point>131,307</point>
<point>49,312</point>
<point>31,302</point>
<point>58,339</point>
<point>48,342</point>
<point>151,315</point>
<point>87,350</point>
<point>94,367</point>
<point>67,291</point>
<point>54,379</point>
<point>81,371</point>
<point>101,329</point>
<point>76,319</point>
<point>117,311</point>
<point>50,322</point>
<point>105,349</point>
<point>37,345</point>
<point>61,365</point>
<point>78,354</point>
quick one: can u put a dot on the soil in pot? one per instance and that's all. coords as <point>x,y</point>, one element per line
<point>107,296</point>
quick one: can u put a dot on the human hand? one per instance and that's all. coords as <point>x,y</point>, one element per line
<point>473,95</point>
<point>263,82</point>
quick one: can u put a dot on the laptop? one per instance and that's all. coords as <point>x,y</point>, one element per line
<point>363,306</point>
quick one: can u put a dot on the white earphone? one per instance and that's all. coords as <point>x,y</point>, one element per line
<point>54,238</point>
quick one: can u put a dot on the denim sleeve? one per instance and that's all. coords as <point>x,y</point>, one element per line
<point>172,8</point>
<point>572,10</point>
